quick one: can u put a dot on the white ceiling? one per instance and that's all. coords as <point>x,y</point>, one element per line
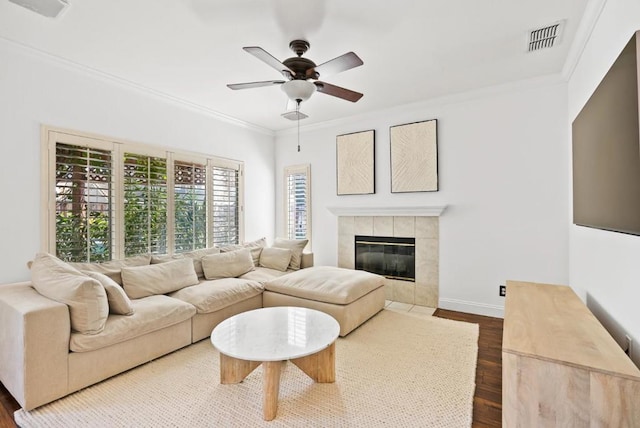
<point>413,50</point>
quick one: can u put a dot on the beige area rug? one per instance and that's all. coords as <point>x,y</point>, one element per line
<point>396,370</point>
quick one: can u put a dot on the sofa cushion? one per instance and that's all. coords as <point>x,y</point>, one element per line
<point>326,284</point>
<point>197,255</point>
<point>112,268</point>
<point>149,314</point>
<point>275,258</point>
<point>296,246</point>
<point>85,296</point>
<point>119,302</point>
<point>211,296</point>
<point>143,281</point>
<point>254,246</point>
<point>163,258</point>
<point>263,274</point>
<point>227,265</point>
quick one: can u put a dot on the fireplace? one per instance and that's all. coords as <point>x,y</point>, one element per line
<point>388,256</point>
<point>423,226</point>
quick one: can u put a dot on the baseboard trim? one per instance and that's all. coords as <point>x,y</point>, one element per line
<point>471,307</point>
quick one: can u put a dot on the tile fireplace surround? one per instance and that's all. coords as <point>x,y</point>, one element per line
<point>425,230</point>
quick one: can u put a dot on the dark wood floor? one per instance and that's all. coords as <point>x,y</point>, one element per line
<point>7,406</point>
<point>487,403</point>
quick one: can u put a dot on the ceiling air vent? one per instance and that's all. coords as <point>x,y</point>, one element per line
<point>546,37</point>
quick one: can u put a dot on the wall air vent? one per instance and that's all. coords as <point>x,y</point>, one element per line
<point>48,8</point>
<point>546,37</point>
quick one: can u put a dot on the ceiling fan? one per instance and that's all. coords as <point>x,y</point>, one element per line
<point>299,71</point>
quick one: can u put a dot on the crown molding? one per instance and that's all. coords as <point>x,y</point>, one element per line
<point>110,78</point>
<point>590,18</point>
<point>437,102</point>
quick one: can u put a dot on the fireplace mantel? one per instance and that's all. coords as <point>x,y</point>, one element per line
<point>413,211</point>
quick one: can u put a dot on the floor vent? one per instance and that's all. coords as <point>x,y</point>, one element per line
<point>546,37</point>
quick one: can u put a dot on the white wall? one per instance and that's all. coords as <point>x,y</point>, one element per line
<point>36,90</point>
<point>605,266</point>
<point>503,175</point>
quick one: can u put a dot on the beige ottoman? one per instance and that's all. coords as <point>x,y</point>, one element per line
<point>350,296</point>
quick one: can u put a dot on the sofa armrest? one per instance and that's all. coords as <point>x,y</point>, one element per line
<point>306,260</point>
<point>34,345</point>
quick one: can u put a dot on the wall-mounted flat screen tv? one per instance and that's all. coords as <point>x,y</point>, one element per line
<point>606,150</point>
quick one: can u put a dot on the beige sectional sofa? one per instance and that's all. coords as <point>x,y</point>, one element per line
<point>51,347</point>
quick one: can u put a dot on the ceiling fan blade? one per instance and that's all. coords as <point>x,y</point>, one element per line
<point>337,91</point>
<point>268,59</point>
<point>337,65</point>
<point>248,85</point>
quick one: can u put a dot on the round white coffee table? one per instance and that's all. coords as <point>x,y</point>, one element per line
<point>271,336</point>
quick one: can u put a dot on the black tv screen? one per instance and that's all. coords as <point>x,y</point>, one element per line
<point>606,151</point>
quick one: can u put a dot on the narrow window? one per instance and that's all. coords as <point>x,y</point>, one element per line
<point>145,204</point>
<point>226,205</point>
<point>190,210</point>
<point>84,197</point>
<point>297,196</point>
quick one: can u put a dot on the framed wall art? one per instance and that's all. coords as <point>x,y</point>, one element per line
<point>414,157</point>
<point>355,163</point>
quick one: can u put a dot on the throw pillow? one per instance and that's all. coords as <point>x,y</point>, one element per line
<point>197,255</point>
<point>143,281</point>
<point>275,258</point>
<point>113,267</point>
<point>119,303</point>
<point>86,297</point>
<point>296,246</point>
<point>255,247</point>
<point>227,265</point>
<point>163,258</point>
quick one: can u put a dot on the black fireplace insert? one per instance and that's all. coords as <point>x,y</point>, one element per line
<point>388,256</point>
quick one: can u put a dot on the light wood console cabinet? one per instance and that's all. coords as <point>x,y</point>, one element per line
<point>560,367</point>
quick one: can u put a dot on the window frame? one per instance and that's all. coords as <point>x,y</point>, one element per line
<point>239,168</point>
<point>288,171</point>
<point>182,158</point>
<point>50,136</point>
<point>121,211</point>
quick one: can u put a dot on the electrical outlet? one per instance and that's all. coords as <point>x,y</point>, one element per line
<point>629,345</point>
<point>503,290</point>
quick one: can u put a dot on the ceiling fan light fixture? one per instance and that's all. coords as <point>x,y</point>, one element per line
<point>299,90</point>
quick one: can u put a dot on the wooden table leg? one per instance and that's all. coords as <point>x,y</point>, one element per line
<point>271,388</point>
<point>233,370</point>
<point>320,366</point>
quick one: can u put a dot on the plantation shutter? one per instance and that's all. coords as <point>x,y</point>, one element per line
<point>297,202</point>
<point>145,204</point>
<point>226,205</point>
<point>190,202</point>
<point>84,200</point>
<point>109,199</point>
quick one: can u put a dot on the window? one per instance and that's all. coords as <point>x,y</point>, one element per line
<point>190,198</point>
<point>297,196</point>
<point>109,199</point>
<point>145,204</point>
<point>226,205</point>
<point>83,198</point>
